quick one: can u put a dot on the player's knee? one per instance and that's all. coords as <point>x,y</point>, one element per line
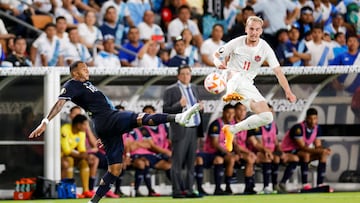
<point>267,117</point>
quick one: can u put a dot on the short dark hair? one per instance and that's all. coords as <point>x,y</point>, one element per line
<point>218,25</point>
<point>74,107</point>
<point>183,67</point>
<point>78,119</point>
<point>238,104</point>
<point>74,65</point>
<point>19,37</point>
<point>184,7</point>
<point>311,111</point>
<point>149,107</point>
<point>49,25</point>
<point>247,8</point>
<point>119,107</point>
<point>227,107</point>
<point>60,18</point>
<point>318,26</point>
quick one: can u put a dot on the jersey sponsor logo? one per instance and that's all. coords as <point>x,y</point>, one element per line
<point>62,91</point>
<point>221,50</point>
<point>91,87</point>
<point>257,58</point>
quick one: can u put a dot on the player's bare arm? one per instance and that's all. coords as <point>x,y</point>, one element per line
<point>305,148</point>
<point>217,62</point>
<point>284,84</point>
<point>53,112</point>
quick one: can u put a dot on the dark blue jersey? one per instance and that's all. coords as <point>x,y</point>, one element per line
<point>87,96</point>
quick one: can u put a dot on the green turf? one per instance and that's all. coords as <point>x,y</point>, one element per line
<point>338,197</point>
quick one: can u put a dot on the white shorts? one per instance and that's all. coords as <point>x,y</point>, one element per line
<point>246,88</point>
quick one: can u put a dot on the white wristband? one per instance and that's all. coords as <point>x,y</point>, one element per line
<point>217,62</point>
<point>45,120</point>
<point>128,154</point>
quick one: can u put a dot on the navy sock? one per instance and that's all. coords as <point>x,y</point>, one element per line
<point>139,174</point>
<point>218,174</point>
<point>118,183</point>
<point>228,181</point>
<point>91,183</point>
<point>249,183</point>
<point>156,119</point>
<point>304,172</point>
<point>104,186</point>
<point>290,168</point>
<point>266,169</point>
<point>199,171</point>
<point>321,173</point>
<point>168,174</point>
<point>274,173</point>
<point>147,178</point>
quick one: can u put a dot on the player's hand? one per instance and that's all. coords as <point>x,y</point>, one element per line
<point>327,151</point>
<point>290,96</point>
<point>38,131</point>
<point>222,66</point>
<point>268,154</point>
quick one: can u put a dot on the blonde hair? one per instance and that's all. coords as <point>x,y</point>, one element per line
<point>254,19</point>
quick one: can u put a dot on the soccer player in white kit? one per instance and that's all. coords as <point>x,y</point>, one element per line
<point>245,55</point>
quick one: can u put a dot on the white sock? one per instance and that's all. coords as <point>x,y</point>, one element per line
<point>252,122</point>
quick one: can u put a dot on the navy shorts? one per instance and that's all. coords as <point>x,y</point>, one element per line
<point>208,158</point>
<point>110,131</point>
<point>153,159</point>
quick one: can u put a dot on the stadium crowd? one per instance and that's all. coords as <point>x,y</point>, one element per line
<point>171,33</point>
<point>168,33</point>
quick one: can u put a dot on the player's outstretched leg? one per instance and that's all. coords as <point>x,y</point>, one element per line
<point>183,118</point>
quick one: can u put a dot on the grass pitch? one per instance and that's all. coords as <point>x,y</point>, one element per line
<point>337,197</point>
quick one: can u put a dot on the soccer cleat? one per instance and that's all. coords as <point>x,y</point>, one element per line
<point>266,190</point>
<point>152,193</point>
<point>307,186</point>
<point>229,136</point>
<point>234,96</point>
<point>281,188</point>
<point>88,194</point>
<point>111,194</point>
<point>183,118</point>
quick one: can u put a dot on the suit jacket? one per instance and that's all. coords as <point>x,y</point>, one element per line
<point>172,96</point>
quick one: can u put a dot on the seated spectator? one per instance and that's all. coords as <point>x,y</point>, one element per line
<point>191,51</point>
<point>76,51</point>
<point>137,9</point>
<point>282,37</point>
<point>70,12</point>
<point>89,32</point>
<point>147,56</point>
<point>229,15</point>
<point>73,152</point>
<point>321,51</point>
<point>19,57</point>
<point>296,50</point>
<point>328,10</point>
<point>164,56</point>
<point>212,44</point>
<point>298,140</point>
<point>61,27</point>
<point>239,28</point>
<point>305,23</point>
<point>20,10</point>
<point>48,50</point>
<point>106,57</point>
<point>348,83</point>
<point>149,30</point>
<point>215,154</point>
<point>124,19</point>
<point>182,22</point>
<point>339,44</point>
<point>336,26</point>
<point>180,58</point>
<point>130,49</point>
<point>111,27</point>
<point>317,11</point>
<point>279,14</point>
<point>43,6</point>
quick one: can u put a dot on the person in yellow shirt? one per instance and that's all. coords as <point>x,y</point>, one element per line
<point>73,151</point>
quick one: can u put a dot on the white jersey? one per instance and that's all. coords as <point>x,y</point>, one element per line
<point>245,59</point>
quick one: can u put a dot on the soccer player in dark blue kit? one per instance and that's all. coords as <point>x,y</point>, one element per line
<point>109,122</point>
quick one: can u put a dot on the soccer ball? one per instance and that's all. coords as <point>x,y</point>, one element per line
<point>214,83</point>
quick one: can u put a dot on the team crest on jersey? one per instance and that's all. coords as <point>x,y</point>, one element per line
<point>257,130</point>
<point>298,131</point>
<point>62,91</point>
<point>221,50</point>
<point>215,129</point>
<point>257,58</point>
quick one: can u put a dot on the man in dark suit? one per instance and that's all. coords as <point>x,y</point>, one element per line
<point>177,98</point>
